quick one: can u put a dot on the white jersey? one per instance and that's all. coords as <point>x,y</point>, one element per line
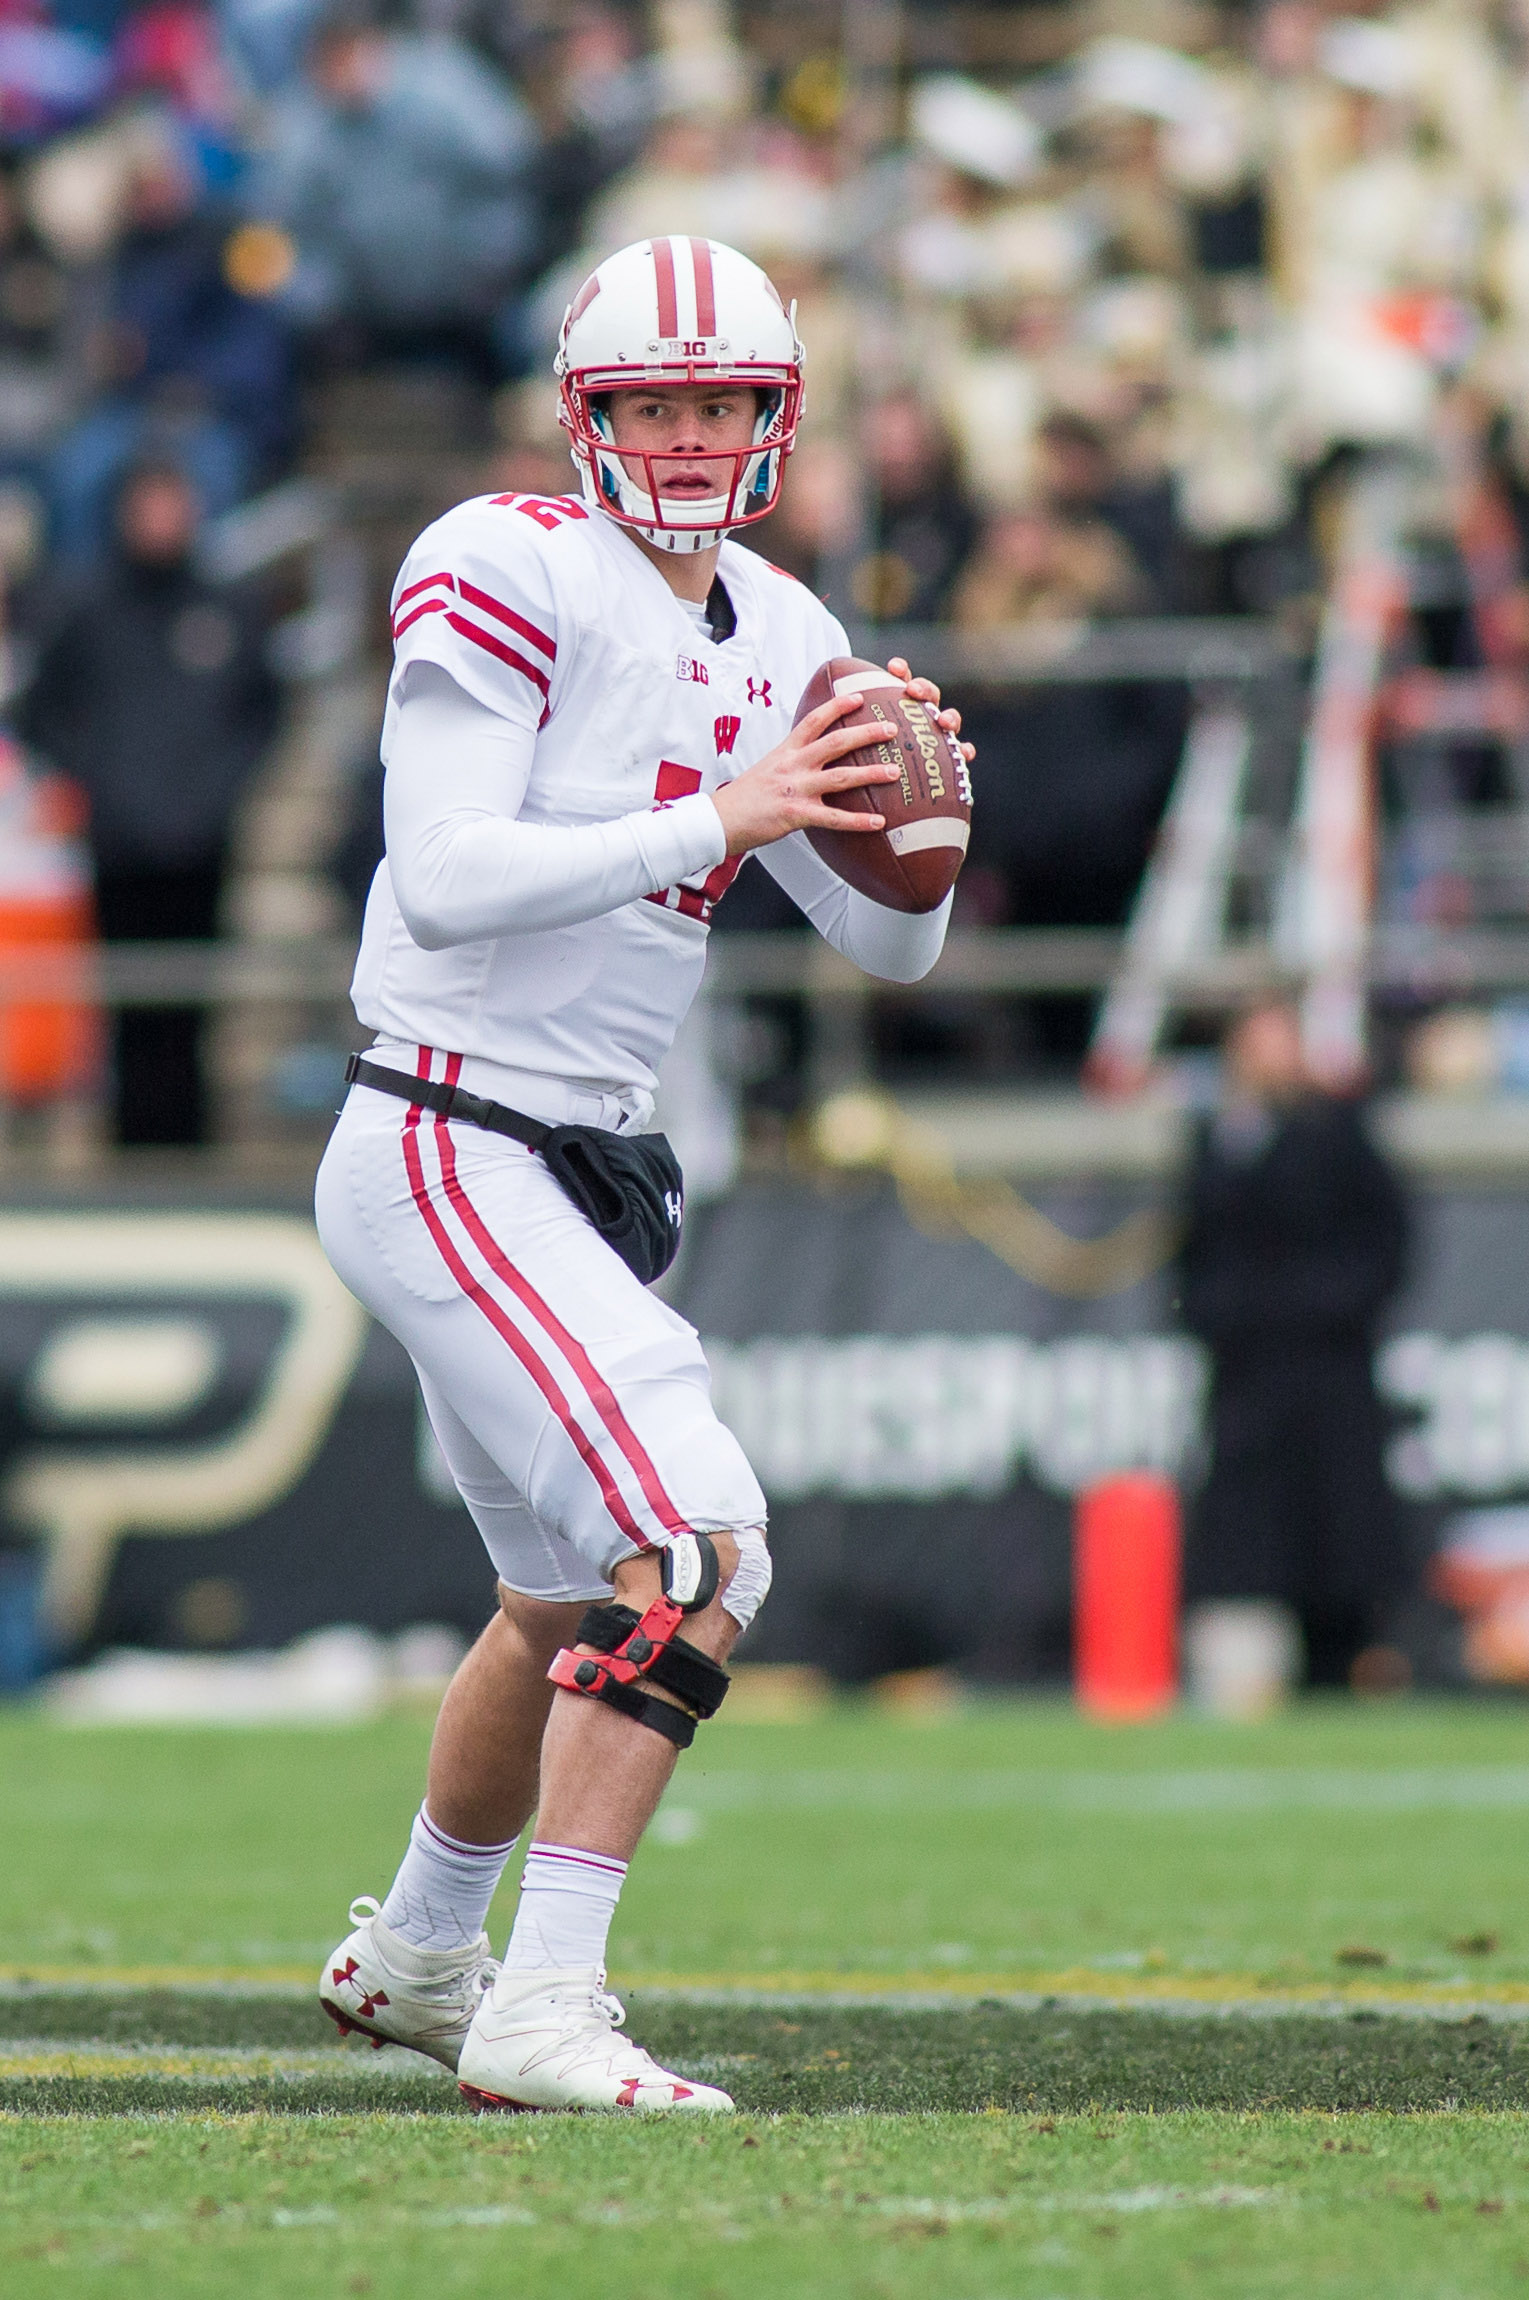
<point>627,713</point>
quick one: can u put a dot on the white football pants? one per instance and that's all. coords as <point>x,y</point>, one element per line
<point>573,1406</point>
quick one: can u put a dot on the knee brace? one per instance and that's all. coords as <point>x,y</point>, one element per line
<point>636,1646</point>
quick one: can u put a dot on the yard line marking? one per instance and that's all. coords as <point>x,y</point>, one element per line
<point>51,2057</point>
<point>1078,1987</point>
<point>205,1980</point>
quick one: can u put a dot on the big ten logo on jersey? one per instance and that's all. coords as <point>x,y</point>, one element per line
<point>726,731</point>
<point>688,668</point>
<point>698,897</point>
<point>548,511</point>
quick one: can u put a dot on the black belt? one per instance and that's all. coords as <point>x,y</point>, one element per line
<point>448,1101</point>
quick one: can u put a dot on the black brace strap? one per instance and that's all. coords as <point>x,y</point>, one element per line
<point>678,1666</point>
<point>676,1725</point>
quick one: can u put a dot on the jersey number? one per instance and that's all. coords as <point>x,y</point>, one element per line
<point>548,511</point>
<point>677,782</point>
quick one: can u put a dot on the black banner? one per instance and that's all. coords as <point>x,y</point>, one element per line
<point>206,1442</point>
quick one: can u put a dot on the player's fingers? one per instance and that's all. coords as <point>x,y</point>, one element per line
<point>923,691</point>
<point>854,775</point>
<point>951,721</point>
<point>837,743</point>
<point>821,818</point>
<point>968,752</point>
<point>818,721</point>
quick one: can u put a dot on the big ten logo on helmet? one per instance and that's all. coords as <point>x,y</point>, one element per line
<point>163,1375</point>
<point>727,731</point>
<point>688,668</point>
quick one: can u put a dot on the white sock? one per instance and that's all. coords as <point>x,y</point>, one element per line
<point>441,1893</point>
<point>567,1901</point>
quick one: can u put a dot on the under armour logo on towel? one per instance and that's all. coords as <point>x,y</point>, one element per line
<point>761,694</point>
<point>674,1207</point>
<point>726,731</point>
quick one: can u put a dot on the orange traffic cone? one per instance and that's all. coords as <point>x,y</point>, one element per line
<point>1126,1546</point>
<point>48,1048</point>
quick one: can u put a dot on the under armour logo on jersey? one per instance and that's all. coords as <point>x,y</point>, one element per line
<point>688,668</point>
<point>761,694</point>
<point>726,731</point>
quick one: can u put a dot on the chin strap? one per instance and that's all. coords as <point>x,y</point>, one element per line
<point>637,1646</point>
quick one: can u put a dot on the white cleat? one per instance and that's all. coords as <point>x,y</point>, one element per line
<point>378,1985</point>
<point>552,2040</point>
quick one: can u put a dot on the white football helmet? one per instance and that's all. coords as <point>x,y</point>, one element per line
<point>679,311</point>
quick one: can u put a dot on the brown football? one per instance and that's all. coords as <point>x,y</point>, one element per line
<point>912,864</point>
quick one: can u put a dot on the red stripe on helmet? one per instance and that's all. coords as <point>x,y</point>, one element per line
<point>584,298</point>
<point>668,301</point>
<point>705,288</point>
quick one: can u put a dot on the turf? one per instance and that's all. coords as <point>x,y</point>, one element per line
<point>63,2055</point>
<point>877,2208</point>
<point>949,1946</point>
<point>1011,1843</point>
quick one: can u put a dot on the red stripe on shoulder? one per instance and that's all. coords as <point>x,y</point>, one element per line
<point>507,615</point>
<point>496,647</point>
<point>426,607</point>
<point>427,583</point>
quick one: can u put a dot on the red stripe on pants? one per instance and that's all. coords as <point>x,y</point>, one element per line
<point>602,1397</point>
<point>504,1326</point>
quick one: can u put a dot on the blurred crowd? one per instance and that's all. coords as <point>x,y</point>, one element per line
<point>1085,332</point>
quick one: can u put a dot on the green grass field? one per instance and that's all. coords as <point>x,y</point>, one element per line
<point>1014,2007</point>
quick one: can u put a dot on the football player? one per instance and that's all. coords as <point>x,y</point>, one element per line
<point>588,728</point>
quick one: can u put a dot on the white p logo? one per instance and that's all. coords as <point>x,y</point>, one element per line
<point>146,1366</point>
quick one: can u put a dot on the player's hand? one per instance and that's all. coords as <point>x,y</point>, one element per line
<point>925,691</point>
<point>788,788</point>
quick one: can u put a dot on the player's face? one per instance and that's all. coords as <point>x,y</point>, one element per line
<point>683,428</point>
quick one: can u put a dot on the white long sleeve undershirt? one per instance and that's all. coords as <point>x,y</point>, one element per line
<point>464,869</point>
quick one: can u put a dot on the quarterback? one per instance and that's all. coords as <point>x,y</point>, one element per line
<point>589,726</point>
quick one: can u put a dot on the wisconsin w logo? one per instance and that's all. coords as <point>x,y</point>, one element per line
<point>726,732</point>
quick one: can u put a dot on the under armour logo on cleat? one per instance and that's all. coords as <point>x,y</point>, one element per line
<point>369,2001</point>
